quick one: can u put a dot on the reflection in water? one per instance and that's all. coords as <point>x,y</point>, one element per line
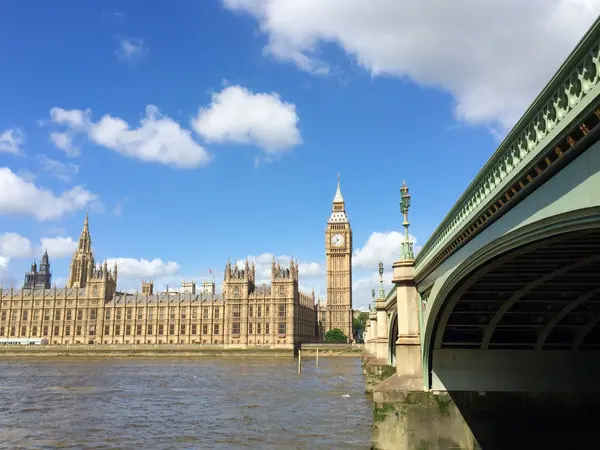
<point>224,403</point>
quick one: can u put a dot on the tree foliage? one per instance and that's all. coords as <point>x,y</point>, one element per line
<point>359,325</point>
<point>335,335</point>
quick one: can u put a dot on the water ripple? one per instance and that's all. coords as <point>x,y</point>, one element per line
<point>182,404</point>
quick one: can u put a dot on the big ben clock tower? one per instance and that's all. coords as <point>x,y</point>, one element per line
<point>338,251</point>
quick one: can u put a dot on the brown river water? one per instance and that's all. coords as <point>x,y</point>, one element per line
<point>171,403</point>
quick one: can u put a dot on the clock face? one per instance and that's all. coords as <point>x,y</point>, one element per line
<point>337,240</point>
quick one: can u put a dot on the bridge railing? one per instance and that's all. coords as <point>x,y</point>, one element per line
<point>569,92</point>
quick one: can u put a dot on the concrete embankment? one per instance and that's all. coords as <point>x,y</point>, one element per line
<point>171,350</point>
<point>165,350</point>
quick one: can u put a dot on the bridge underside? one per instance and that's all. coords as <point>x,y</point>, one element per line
<point>543,296</point>
<point>519,351</point>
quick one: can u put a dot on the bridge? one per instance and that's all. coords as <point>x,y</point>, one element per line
<point>490,337</point>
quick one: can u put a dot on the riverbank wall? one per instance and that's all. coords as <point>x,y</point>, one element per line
<point>174,350</point>
<point>149,350</point>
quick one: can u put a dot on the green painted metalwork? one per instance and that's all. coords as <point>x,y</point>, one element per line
<point>407,245</point>
<point>569,92</point>
<point>381,291</point>
<point>372,306</point>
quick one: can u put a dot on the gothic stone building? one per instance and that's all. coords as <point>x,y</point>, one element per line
<point>91,310</point>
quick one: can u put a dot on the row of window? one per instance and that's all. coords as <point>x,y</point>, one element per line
<point>257,328</point>
<point>281,312</point>
<point>108,313</point>
<point>139,329</point>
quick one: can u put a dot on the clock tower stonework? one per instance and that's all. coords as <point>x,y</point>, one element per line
<point>338,253</point>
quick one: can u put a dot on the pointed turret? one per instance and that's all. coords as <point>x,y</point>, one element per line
<point>338,198</point>
<point>338,214</point>
<point>82,264</point>
<point>85,241</point>
<point>228,269</point>
<point>39,279</point>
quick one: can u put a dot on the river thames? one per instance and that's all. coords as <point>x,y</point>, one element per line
<point>168,403</point>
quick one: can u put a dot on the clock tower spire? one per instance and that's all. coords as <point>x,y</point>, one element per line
<point>338,252</point>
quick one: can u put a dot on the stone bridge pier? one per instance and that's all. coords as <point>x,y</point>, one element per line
<point>377,360</point>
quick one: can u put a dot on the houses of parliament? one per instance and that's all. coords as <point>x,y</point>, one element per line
<point>90,309</point>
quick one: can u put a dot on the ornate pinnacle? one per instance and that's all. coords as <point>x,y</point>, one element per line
<point>407,245</point>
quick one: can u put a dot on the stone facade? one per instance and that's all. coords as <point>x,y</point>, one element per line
<point>91,310</point>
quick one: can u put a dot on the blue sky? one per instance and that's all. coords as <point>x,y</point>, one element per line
<point>197,131</point>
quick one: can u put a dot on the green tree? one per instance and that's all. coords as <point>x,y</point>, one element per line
<point>335,335</point>
<point>359,325</point>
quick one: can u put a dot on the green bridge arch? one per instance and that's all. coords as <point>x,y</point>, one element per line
<point>568,202</point>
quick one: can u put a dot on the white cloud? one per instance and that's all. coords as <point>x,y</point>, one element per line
<point>362,288</point>
<point>59,246</point>
<point>131,50</point>
<point>13,245</point>
<point>74,118</point>
<point>157,139</point>
<point>64,141</point>
<point>241,116</point>
<point>19,196</point>
<point>27,175</point>
<point>310,269</point>
<point>493,56</point>
<point>385,247</point>
<point>143,268</point>
<point>6,279</point>
<point>60,281</point>
<point>59,170</point>
<point>11,140</point>
<point>263,264</point>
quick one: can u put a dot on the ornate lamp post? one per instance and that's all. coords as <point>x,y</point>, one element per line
<point>407,245</point>
<point>372,308</point>
<point>381,291</point>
